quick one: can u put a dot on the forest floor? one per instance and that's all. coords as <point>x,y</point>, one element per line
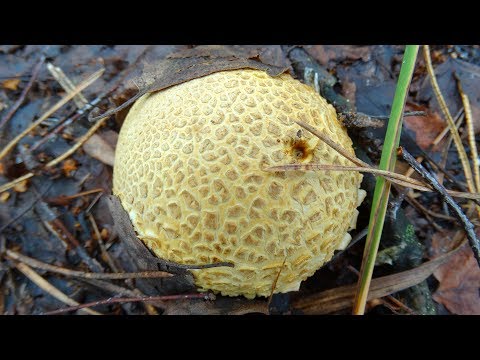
<point>59,216</point>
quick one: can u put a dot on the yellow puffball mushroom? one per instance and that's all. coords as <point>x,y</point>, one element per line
<point>189,171</point>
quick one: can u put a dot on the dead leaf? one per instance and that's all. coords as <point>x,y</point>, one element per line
<point>459,279</point>
<point>21,187</point>
<point>2,169</point>
<point>100,149</point>
<point>426,128</point>
<point>11,84</point>
<point>69,165</point>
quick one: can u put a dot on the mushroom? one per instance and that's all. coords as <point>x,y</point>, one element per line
<point>190,172</point>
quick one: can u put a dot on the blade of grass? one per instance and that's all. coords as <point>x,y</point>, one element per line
<point>382,187</point>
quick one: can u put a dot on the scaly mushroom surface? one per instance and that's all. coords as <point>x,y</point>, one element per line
<point>189,170</point>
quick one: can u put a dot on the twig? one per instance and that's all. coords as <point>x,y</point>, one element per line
<point>65,199</point>
<point>64,123</point>
<point>21,99</point>
<point>66,84</point>
<point>389,175</point>
<point>422,208</point>
<point>446,129</point>
<point>49,288</point>
<point>94,201</point>
<point>467,225</point>
<point>355,239</point>
<point>105,255</point>
<point>274,284</point>
<point>470,133</point>
<point>80,274</point>
<point>61,231</point>
<point>332,144</point>
<point>50,111</point>
<point>60,158</point>
<point>132,299</point>
<point>453,130</point>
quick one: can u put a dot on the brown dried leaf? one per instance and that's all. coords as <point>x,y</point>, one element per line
<point>11,84</point>
<point>100,149</point>
<point>459,279</point>
<point>426,128</point>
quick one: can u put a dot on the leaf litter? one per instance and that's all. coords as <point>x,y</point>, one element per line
<point>365,74</point>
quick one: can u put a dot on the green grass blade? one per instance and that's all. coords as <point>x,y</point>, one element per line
<point>382,187</point>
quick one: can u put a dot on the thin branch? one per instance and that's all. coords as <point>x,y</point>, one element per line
<point>470,133</point>
<point>113,300</point>
<point>66,84</point>
<point>274,284</point>
<point>21,99</point>
<point>428,211</point>
<point>49,288</point>
<point>446,129</point>
<point>389,175</point>
<point>80,274</point>
<point>467,225</point>
<point>50,111</point>
<point>332,144</point>
<point>105,255</point>
<point>65,199</point>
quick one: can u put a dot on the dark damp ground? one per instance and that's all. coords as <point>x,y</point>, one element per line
<point>39,220</point>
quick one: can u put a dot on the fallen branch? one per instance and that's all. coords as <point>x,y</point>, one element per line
<point>457,210</point>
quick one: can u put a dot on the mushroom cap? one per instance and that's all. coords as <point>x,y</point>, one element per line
<point>189,170</point>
